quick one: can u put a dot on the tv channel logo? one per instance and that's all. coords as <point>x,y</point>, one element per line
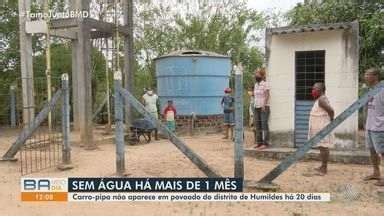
<point>44,185</point>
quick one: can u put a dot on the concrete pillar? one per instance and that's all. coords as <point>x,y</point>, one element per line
<point>119,129</point>
<point>75,96</point>
<point>26,64</point>
<point>66,154</point>
<point>82,79</point>
<point>12,92</point>
<point>239,126</point>
<point>128,55</point>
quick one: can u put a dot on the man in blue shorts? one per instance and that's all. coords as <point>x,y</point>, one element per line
<point>375,125</point>
<point>228,103</point>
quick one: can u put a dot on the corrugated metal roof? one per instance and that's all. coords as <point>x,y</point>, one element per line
<point>193,53</point>
<point>309,28</point>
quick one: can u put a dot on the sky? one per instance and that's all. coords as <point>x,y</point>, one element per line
<point>282,5</point>
<point>270,5</point>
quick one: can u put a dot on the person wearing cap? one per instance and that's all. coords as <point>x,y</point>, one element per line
<point>150,100</point>
<point>261,113</point>
<point>228,103</point>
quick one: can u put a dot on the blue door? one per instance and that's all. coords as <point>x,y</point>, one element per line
<point>309,69</point>
<point>302,110</point>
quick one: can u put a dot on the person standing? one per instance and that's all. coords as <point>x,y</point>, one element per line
<point>169,115</point>
<point>261,110</point>
<point>320,116</point>
<point>251,106</point>
<point>150,100</point>
<point>374,126</point>
<point>228,104</point>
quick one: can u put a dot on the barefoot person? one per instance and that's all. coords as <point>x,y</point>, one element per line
<point>375,125</point>
<point>320,116</point>
<point>261,111</point>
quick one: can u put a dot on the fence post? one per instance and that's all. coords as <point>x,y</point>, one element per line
<point>13,106</point>
<point>239,127</point>
<point>119,126</point>
<point>300,152</point>
<point>65,124</point>
<point>31,127</point>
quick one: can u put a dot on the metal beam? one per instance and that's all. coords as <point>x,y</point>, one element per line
<point>29,129</point>
<point>285,164</point>
<point>191,155</point>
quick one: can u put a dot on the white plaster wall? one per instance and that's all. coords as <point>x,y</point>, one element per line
<point>341,75</point>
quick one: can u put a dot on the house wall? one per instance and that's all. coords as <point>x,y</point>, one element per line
<point>341,79</point>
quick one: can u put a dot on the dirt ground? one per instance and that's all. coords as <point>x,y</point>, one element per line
<point>349,194</point>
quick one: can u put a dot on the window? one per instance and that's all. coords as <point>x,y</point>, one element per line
<point>309,70</point>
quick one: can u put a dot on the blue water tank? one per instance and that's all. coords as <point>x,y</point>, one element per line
<point>193,80</point>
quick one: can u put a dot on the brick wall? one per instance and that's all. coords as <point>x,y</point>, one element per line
<point>186,124</point>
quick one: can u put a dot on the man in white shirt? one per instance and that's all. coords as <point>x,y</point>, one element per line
<point>375,126</point>
<point>150,100</point>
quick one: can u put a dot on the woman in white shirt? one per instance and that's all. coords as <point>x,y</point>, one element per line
<point>261,112</point>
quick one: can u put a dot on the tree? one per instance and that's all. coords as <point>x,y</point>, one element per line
<point>226,28</point>
<point>370,15</point>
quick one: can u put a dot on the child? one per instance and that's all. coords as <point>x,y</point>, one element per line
<point>169,115</point>
<point>320,116</point>
<point>229,115</point>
